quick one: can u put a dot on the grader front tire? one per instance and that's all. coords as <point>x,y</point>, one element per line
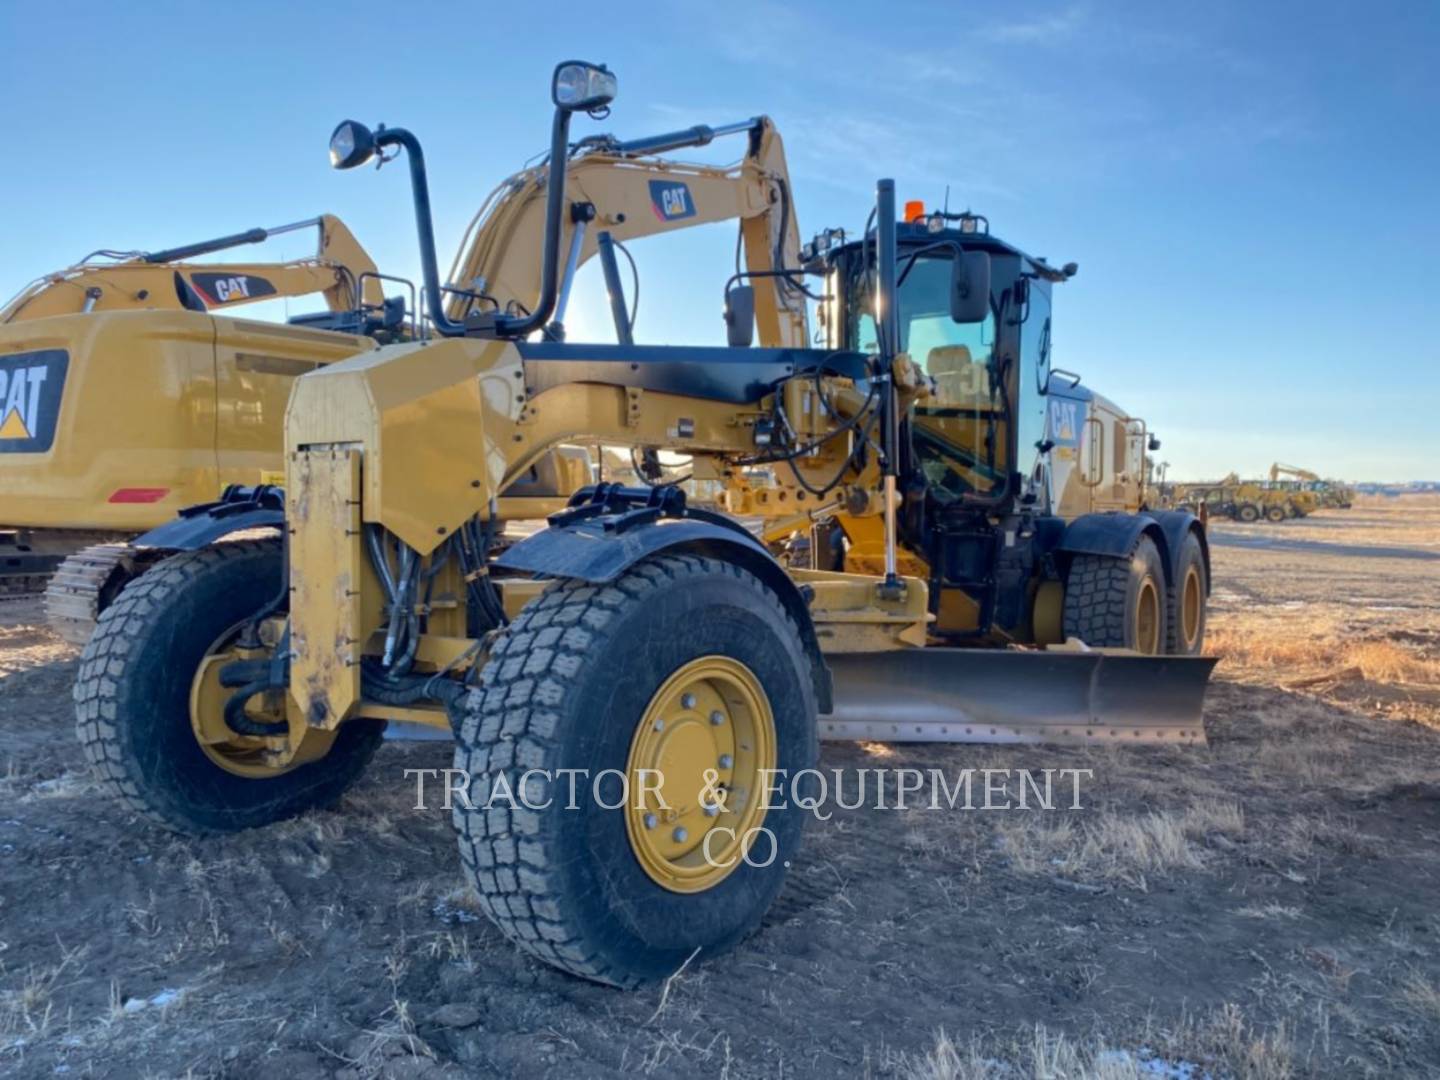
<point>133,695</point>
<point>599,678</point>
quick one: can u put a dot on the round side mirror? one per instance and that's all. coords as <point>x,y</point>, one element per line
<point>351,144</point>
<point>580,87</point>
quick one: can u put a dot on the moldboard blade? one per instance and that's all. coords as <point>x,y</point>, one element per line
<point>1002,696</point>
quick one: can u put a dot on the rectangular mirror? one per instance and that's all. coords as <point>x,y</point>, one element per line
<point>740,316</point>
<point>970,287</point>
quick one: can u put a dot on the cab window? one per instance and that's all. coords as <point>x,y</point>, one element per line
<point>1034,374</point>
<point>951,430</point>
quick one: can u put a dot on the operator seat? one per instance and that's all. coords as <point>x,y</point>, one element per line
<point>958,378</point>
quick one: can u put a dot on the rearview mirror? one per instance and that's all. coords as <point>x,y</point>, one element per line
<point>970,287</point>
<point>740,316</point>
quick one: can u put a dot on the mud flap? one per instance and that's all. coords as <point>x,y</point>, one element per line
<point>1015,696</point>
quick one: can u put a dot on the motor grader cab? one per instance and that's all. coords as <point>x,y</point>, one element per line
<point>1010,473</point>
<point>655,652</point>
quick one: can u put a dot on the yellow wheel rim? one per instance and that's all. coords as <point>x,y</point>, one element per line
<point>1190,604</point>
<point>243,755</point>
<point>1147,618</point>
<point>697,774</point>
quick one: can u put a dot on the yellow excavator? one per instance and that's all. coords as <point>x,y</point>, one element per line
<point>187,402</point>
<point>105,280</point>
<point>637,689</point>
<point>102,437</point>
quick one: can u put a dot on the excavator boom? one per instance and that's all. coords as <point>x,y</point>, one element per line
<point>340,270</point>
<point>626,190</point>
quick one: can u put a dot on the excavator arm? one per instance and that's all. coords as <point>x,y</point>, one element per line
<point>625,189</point>
<point>164,280</point>
<point>1280,469</point>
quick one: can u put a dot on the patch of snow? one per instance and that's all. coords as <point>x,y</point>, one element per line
<point>1148,1063</point>
<point>451,914</point>
<point>163,1000</point>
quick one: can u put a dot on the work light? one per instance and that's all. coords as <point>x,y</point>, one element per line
<point>351,144</point>
<point>580,87</point>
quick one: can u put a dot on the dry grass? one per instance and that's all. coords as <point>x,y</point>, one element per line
<point>1319,654</point>
<point>1421,996</point>
<point>1398,502</point>
<point>1116,847</point>
<point>1220,1043</point>
<point>28,1008</point>
<point>1043,1057</point>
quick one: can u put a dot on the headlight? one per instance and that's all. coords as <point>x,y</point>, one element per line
<point>351,144</point>
<point>579,86</point>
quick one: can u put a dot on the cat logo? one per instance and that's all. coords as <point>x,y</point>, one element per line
<point>30,388</point>
<point>217,289</point>
<point>671,200</point>
<point>1064,421</point>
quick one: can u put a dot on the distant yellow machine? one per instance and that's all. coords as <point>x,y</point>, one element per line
<point>1321,493</point>
<point>1245,501</point>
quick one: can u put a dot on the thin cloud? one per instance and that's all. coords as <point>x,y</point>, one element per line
<point>1039,30</point>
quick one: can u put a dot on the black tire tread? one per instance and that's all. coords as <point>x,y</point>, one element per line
<point>122,635</point>
<point>1095,600</point>
<point>510,725</point>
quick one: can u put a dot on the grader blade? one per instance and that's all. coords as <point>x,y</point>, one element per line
<point>989,696</point>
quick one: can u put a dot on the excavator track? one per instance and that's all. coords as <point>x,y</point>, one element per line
<point>28,558</point>
<point>21,586</point>
<point>84,584</point>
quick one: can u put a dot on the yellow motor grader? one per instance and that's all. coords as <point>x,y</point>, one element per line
<point>637,690</point>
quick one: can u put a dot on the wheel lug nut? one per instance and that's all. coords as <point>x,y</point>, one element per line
<point>687,701</point>
<point>717,718</point>
<point>680,835</point>
<point>651,821</point>
<point>726,761</point>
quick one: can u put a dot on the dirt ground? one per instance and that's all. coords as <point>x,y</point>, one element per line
<point>1264,906</point>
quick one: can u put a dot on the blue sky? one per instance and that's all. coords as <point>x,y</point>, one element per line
<point>1252,191</point>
